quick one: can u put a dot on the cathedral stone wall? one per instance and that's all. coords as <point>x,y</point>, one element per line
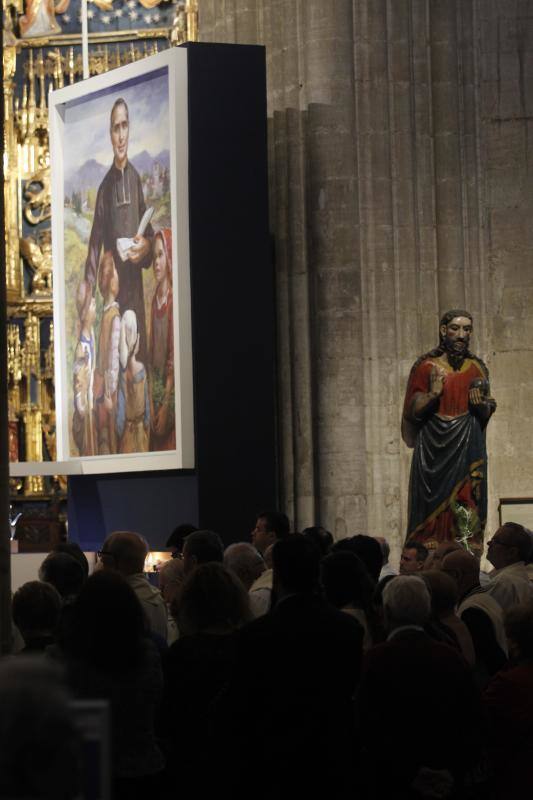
<point>399,136</point>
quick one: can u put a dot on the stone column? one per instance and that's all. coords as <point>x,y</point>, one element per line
<point>400,187</point>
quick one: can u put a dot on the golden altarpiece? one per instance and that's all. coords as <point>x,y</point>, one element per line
<point>42,51</point>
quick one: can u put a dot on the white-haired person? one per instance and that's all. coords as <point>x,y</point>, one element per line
<point>245,562</point>
<point>415,690</point>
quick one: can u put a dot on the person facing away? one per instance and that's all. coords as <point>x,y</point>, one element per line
<point>445,623</point>
<point>367,549</point>
<point>508,698</point>
<point>391,716</point>
<point>170,580</point>
<point>480,612</point>
<point>245,562</point>
<point>109,655</point>
<point>213,605</point>
<point>40,746</point>
<point>64,572</point>
<point>291,694</point>
<point>201,547</point>
<point>348,586</point>
<point>125,552</point>
<point>36,607</point>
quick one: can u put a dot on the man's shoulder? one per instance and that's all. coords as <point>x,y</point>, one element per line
<point>424,362</point>
<point>131,168</point>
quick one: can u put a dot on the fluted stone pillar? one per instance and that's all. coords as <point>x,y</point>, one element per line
<point>399,187</point>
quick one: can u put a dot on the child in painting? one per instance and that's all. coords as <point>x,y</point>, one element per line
<point>133,410</point>
<point>161,350</point>
<point>83,428</point>
<point>107,359</point>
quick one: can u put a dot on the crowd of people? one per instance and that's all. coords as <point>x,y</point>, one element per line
<point>289,665</point>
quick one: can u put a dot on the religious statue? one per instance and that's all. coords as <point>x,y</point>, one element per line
<point>40,18</point>
<point>446,410</point>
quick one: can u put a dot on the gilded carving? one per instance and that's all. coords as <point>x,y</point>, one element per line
<point>46,58</point>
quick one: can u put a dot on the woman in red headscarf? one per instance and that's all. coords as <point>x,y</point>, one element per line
<point>161,355</point>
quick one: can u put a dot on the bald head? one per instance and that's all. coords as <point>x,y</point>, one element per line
<point>125,552</point>
<point>463,568</point>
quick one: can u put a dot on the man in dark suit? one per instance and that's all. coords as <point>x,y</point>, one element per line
<point>417,702</point>
<point>291,697</point>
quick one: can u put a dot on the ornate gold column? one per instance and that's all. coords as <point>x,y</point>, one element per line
<point>11,205</point>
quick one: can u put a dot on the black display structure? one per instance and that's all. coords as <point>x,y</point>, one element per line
<point>233,325</point>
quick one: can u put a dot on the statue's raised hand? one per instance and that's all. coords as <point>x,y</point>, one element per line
<point>437,378</point>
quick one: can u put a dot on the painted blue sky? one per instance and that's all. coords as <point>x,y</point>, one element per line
<point>86,133</point>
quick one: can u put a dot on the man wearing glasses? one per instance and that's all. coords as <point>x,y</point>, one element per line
<point>508,551</point>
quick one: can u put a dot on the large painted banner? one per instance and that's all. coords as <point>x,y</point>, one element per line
<point>121,268</point>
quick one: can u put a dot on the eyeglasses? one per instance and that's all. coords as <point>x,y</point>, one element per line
<point>102,553</point>
<point>178,555</point>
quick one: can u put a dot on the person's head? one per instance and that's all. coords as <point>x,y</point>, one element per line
<point>345,580</point>
<point>129,337</point>
<point>73,549</point>
<point>36,607</point>
<point>413,557</point>
<point>212,600</point>
<point>108,276</point>
<point>518,621</point>
<point>171,577</point>
<point>245,562</point>
<point>463,568</point>
<point>85,304</point>
<point>64,572</point>
<point>439,553</point>
<point>385,549</point>
<point>40,747</point>
<point>296,564</point>
<point>455,330</point>
<point>511,543</point>
<point>163,256</point>
<point>443,590</point>
<point>124,552</point>
<point>177,537</point>
<point>106,627</point>
<point>406,601</point>
<point>270,527</point>
<point>119,129</point>
<point>201,547</point>
<point>320,536</point>
<point>367,549</point>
